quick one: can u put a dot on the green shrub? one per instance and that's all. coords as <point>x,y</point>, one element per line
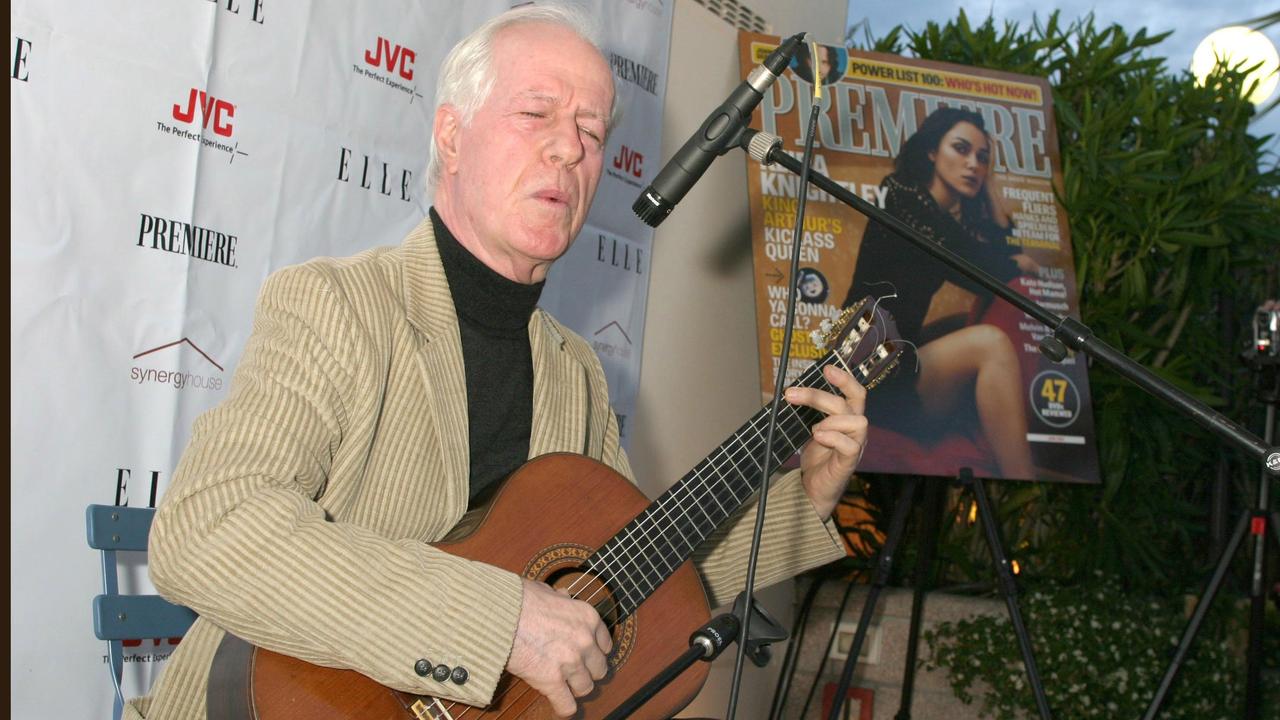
<point>1101,653</point>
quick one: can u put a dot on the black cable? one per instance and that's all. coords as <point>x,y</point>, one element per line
<point>779,387</point>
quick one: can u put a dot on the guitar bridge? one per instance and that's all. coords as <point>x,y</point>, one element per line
<point>433,710</point>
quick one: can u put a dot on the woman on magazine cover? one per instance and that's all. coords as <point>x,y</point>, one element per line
<point>940,187</point>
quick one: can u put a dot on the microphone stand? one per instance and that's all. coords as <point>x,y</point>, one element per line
<point>706,644</point>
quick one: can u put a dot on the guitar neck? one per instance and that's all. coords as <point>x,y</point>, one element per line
<point>662,537</point>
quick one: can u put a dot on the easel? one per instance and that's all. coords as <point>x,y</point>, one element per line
<point>924,569</point>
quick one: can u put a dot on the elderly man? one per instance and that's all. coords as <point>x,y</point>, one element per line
<point>380,394</point>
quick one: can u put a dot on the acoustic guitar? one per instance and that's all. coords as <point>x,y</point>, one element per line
<point>578,525</point>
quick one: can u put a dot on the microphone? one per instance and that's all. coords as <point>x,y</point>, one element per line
<point>719,132</point>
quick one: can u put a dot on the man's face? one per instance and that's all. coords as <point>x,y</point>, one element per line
<point>517,181</point>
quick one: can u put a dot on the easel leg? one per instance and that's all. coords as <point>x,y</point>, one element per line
<point>1197,617</point>
<point>1008,587</point>
<point>884,565</point>
<point>934,494</point>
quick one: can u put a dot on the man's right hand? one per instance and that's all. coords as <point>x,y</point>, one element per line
<point>560,646</point>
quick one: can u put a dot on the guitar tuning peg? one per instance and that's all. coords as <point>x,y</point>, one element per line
<point>819,339</point>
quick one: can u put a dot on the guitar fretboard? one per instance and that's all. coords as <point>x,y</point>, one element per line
<point>662,537</point>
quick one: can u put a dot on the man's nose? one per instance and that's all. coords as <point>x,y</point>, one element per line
<point>565,147</point>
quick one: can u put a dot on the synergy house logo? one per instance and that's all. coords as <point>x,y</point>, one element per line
<point>201,109</point>
<point>179,379</point>
<point>605,341</point>
<point>387,61</point>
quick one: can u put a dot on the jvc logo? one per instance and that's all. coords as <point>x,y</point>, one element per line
<point>211,108</point>
<point>385,52</point>
<point>629,161</point>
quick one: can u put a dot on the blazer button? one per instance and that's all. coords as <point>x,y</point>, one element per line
<point>460,675</point>
<point>441,673</point>
<point>422,667</point>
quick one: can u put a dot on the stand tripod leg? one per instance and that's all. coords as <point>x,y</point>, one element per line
<point>826,652</point>
<point>1197,617</point>
<point>1257,613</point>
<point>1008,587</point>
<point>934,493</point>
<point>884,565</point>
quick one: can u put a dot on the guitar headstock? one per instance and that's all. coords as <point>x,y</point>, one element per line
<point>865,340</point>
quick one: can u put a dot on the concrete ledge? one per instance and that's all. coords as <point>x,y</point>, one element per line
<point>884,652</point>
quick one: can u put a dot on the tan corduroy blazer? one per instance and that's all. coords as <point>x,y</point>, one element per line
<point>299,515</point>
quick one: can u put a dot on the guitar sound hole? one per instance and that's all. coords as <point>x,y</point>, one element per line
<point>589,588</point>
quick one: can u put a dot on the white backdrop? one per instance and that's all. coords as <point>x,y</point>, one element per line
<point>167,155</point>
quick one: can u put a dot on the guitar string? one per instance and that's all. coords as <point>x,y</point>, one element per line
<point>599,607</point>
<point>734,462</point>
<point>814,371</point>
<point>811,374</point>
<point>639,539</point>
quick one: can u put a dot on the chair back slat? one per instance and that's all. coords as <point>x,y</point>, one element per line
<point>111,527</point>
<point>131,617</point>
<point>116,617</point>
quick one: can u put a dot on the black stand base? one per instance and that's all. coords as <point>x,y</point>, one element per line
<point>1260,522</point>
<point>1257,524</point>
<point>1008,588</point>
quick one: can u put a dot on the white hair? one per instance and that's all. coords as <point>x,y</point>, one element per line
<point>466,76</point>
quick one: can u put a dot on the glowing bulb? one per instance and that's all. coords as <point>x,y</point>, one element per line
<point>1237,45</point>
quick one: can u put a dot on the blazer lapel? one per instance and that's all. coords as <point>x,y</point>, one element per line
<point>429,308</point>
<point>560,392</point>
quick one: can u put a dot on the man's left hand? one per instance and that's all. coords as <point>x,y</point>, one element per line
<point>827,462</point>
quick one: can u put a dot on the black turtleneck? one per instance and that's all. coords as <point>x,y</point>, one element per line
<point>493,316</point>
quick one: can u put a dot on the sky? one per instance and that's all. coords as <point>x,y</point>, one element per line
<point>1190,21</point>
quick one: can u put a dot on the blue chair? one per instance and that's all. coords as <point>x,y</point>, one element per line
<point>117,617</point>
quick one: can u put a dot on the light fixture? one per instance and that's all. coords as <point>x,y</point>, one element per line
<point>1243,47</point>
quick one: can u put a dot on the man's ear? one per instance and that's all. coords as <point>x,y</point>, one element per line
<point>444,132</point>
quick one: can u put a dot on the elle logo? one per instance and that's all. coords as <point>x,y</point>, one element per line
<point>385,52</point>
<point>629,161</point>
<point>211,108</point>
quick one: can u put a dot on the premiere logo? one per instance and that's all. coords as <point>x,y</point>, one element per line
<point>21,54</point>
<point>178,379</point>
<point>184,238</point>
<point>387,61</point>
<point>200,109</point>
<point>637,74</point>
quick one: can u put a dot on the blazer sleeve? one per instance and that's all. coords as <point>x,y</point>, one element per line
<point>242,536</point>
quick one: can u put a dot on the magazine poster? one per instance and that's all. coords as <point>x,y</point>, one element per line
<point>968,157</point>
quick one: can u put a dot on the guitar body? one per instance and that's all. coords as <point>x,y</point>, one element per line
<point>545,520</point>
